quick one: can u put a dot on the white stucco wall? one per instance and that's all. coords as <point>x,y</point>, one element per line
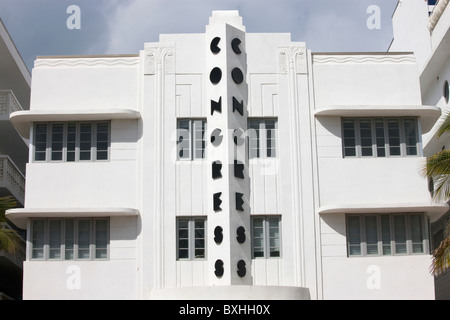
<point>89,280</point>
<point>99,184</point>
<point>410,21</point>
<point>372,278</point>
<point>80,83</point>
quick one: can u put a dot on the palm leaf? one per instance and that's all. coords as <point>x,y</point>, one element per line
<point>441,255</point>
<point>5,204</point>
<point>438,164</point>
<point>437,169</point>
<point>9,239</point>
<point>444,127</point>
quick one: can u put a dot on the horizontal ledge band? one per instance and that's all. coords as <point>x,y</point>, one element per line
<point>20,216</point>
<point>435,211</point>
<point>22,120</point>
<point>428,114</point>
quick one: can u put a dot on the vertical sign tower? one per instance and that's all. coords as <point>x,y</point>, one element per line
<point>229,249</point>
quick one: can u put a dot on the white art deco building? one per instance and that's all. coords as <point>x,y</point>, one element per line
<point>227,165</point>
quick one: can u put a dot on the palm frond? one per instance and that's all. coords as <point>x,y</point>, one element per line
<point>438,164</point>
<point>9,239</point>
<point>441,257</point>
<point>442,188</point>
<point>444,127</point>
<point>5,204</point>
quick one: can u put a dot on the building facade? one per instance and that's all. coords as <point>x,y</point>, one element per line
<point>227,165</point>
<point>426,32</point>
<point>15,83</point>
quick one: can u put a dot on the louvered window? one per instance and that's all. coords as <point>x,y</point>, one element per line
<point>191,141</point>
<point>386,234</point>
<point>380,137</point>
<point>71,141</point>
<point>262,138</point>
<point>191,238</point>
<point>266,236</point>
<point>69,239</point>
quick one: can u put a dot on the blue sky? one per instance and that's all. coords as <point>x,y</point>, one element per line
<point>38,27</point>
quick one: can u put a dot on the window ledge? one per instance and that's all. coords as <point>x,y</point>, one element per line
<point>434,210</point>
<point>428,114</point>
<point>20,216</point>
<point>22,120</point>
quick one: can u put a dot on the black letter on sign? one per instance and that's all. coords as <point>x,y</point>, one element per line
<point>237,75</point>
<point>237,137</point>
<point>240,234</point>
<point>218,235</point>
<point>216,106</point>
<point>217,201</point>
<point>216,169</point>
<point>239,106</point>
<point>215,45</point>
<point>239,201</point>
<point>238,169</point>
<point>219,268</point>
<point>235,45</point>
<point>241,271</point>
<point>216,137</point>
<point>215,76</point>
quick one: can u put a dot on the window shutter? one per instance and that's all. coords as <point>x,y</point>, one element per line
<point>371,235</point>
<point>55,239</point>
<point>400,234</point>
<point>386,234</point>
<point>354,235</point>
<point>417,233</point>
<point>84,239</point>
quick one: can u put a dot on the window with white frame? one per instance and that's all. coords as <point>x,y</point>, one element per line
<point>69,239</point>
<point>380,137</point>
<point>71,141</point>
<point>266,237</point>
<point>191,238</point>
<point>262,138</point>
<point>386,234</point>
<point>191,139</point>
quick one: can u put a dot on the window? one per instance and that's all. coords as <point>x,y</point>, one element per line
<point>71,141</point>
<point>380,137</point>
<point>266,237</point>
<point>191,139</point>
<point>262,138</point>
<point>386,234</point>
<point>191,238</point>
<point>69,239</point>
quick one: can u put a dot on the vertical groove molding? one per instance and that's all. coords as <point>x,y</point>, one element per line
<point>229,260</point>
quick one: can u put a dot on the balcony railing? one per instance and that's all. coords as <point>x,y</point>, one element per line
<point>8,104</point>
<point>437,12</point>
<point>11,178</point>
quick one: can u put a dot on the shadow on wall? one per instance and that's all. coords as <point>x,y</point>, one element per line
<point>335,222</point>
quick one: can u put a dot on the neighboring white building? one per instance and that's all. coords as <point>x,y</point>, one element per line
<point>15,82</point>
<point>426,32</point>
<point>227,165</point>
